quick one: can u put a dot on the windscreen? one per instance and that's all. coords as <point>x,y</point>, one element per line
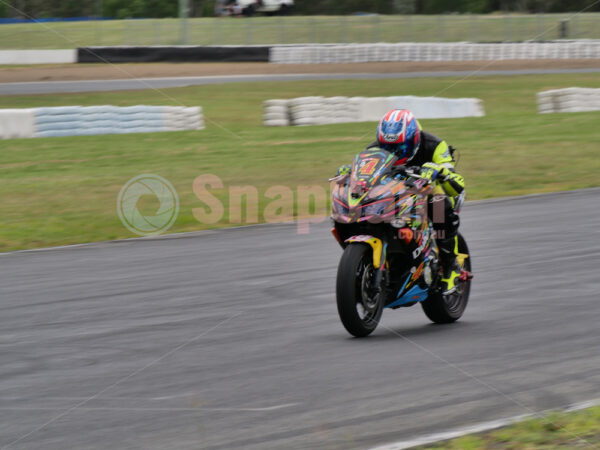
<point>367,169</point>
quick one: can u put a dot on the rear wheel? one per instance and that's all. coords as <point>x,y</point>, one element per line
<point>449,308</point>
<point>359,302</point>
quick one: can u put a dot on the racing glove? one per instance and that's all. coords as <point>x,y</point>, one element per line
<point>344,170</point>
<point>451,182</point>
<point>433,171</point>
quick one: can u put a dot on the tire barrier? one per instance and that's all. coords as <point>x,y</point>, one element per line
<point>232,53</point>
<point>276,113</point>
<point>313,53</point>
<point>17,123</point>
<point>460,51</point>
<point>568,100</point>
<point>38,56</point>
<point>94,120</point>
<point>324,111</point>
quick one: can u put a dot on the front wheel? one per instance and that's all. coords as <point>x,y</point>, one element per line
<point>449,308</point>
<point>359,301</point>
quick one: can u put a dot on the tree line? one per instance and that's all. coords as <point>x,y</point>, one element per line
<point>121,9</point>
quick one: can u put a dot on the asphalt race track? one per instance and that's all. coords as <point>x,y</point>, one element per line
<point>230,339</point>
<point>57,87</point>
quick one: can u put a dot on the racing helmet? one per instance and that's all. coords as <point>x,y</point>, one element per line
<point>399,132</point>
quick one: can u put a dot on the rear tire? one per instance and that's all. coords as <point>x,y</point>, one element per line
<point>359,305</point>
<point>447,309</point>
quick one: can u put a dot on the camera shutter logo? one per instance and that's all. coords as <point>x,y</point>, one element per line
<point>164,217</point>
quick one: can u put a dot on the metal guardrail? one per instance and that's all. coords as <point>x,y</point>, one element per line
<point>302,30</point>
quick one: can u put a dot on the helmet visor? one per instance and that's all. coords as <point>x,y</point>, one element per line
<point>403,150</point>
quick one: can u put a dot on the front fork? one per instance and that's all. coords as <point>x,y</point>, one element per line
<point>379,255</point>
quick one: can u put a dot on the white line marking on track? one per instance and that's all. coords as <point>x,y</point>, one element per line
<point>430,439</point>
<point>478,428</point>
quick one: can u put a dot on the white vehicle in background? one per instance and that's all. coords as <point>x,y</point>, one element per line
<point>251,7</point>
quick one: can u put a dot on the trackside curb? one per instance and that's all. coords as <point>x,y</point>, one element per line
<point>480,427</point>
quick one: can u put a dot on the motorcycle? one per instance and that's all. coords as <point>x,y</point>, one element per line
<point>390,259</point>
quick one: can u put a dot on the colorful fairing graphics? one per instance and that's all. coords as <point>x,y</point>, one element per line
<point>373,194</point>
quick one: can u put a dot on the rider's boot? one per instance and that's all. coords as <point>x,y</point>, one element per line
<point>451,268</point>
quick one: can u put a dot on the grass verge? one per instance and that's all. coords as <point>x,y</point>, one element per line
<point>59,191</point>
<point>579,429</point>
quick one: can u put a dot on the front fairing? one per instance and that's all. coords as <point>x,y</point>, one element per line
<point>371,193</point>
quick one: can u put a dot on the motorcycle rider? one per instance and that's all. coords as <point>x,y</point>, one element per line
<point>399,132</point>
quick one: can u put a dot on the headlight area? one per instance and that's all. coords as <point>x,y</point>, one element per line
<point>338,207</point>
<point>386,211</point>
<point>401,220</point>
<point>379,208</point>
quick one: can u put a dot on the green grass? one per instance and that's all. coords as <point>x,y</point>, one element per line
<point>298,29</point>
<point>63,190</point>
<point>579,429</point>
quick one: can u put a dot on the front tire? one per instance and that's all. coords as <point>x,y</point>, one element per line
<point>359,302</point>
<point>449,308</point>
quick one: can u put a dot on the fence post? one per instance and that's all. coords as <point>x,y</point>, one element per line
<point>440,27</point>
<point>183,17</point>
<point>409,28</point>
<point>98,32</point>
<point>281,30</point>
<point>376,28</point>
<point>126,25</point>
<point>248,30</point>
<point>475,28</point>
<point>563,29</point>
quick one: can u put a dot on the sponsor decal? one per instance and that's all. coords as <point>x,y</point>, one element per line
<point>367,166</point>
<point>417,272</point>
<point>425,240</point>
<point>362,238</point>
